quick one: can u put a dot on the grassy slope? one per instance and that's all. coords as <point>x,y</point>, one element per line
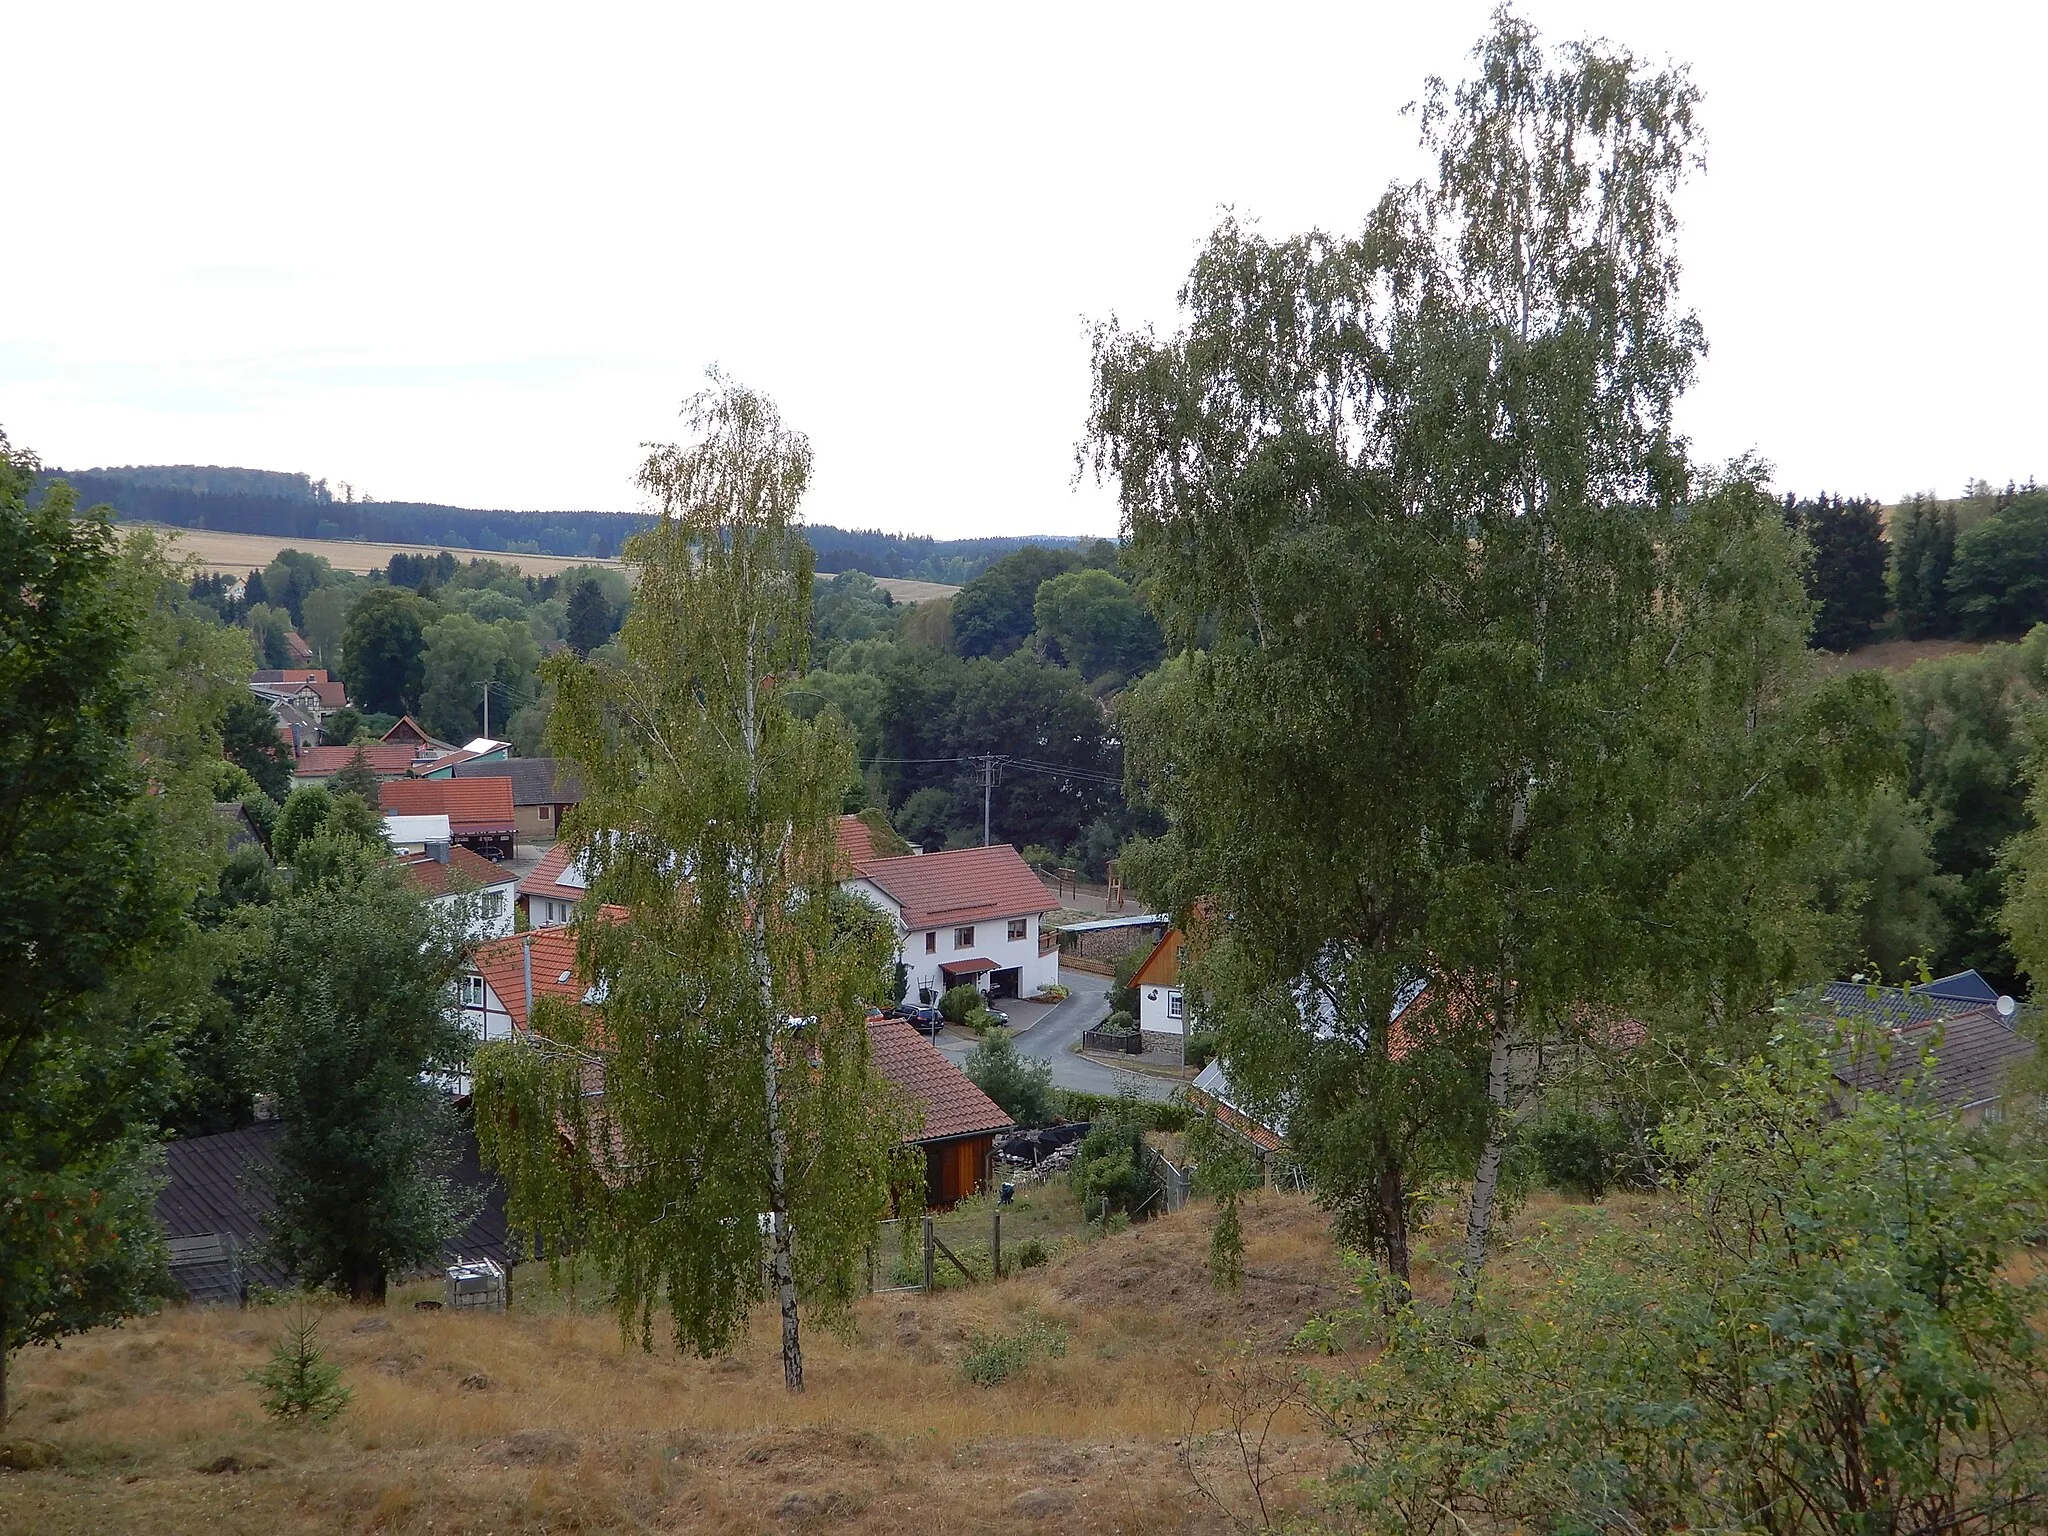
<point>543,1420</point>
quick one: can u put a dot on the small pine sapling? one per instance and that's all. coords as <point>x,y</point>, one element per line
<point>300,1385</point>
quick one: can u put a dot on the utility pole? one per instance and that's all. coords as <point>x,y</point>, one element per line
<point>487,705</point>
<point>988,778</point>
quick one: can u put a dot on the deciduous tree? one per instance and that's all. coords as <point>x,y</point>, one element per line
<point>730,1043</point>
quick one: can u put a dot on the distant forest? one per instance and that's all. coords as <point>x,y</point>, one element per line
<point>295,506</point>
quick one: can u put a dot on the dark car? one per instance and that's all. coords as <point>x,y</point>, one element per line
<point>922,1015</point>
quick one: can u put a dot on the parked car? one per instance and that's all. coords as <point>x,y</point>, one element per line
<point>922,1015</point>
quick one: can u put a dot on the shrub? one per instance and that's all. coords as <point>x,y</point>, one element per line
<point>1169,1115</point>
<point>1201,1049</point>
<point>300,1385</point>
<point>1123,996</point>
<point>1031,1253</point>
<point>1114,1167</point>
<point>981,1020</point>
<point>1053,992</point>
<point>1119,1024</point>
<point>991,1359</point>
<point>1021,1087</point>
<point>960,1001</point>
<point>1575,1150</point>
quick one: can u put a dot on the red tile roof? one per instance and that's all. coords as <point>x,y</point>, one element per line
<point>325,762</point>
<point>502,963</point>
<point>962,886</point>
<point>410,731</point>
<point>464,870</point>
<point>332,695</point>
<point>952,1105</point>
<point>544,879</point>
<point>856,842</point>
<point>471,805</point>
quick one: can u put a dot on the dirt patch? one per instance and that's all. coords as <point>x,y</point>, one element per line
<point>1897,655</point>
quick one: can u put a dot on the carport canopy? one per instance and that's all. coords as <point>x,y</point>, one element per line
<point>974,967</point>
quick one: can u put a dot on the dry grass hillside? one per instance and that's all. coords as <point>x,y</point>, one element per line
<point>542,1420</point>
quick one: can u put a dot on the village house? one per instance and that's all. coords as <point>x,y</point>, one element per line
<point>1162,1006</point>
<point>544,790</point>
<point>1962,1019</point>
<point>968,915</point>
<point>957,1124</point>
<point>402,749</point>
<point>479,811</point>
<point>447,874</point>
<point>553,888</point>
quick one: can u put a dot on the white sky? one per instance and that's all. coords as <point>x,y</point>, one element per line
<point>477,254</point>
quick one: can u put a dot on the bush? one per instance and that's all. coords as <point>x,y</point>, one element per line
<point>1114,1167</point>
<point>959,1002</point>
<point>1201,1049</point>
<point>1031,1253</point>
<point>299,1385</point>
<point>1052,992</point>
<point>1118,1024</point>
<point>1123,997</point>
<point>981,1020</point>
<point>991,1359</point>
<point>1170,1115</point>
<point>1575,1150</point>
<point>1021,1087</point>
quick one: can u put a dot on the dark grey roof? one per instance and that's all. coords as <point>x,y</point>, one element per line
<point>535,780</point>
<point>240,833</point>
<point>1957,1016</point>
<point>220,1186</point>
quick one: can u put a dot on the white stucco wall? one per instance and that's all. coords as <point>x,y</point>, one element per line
<point>991,942</point>
<point>1160,1010</point>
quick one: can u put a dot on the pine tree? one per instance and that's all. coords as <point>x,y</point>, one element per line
<point>1847,576</point>
<point>1922,559</point>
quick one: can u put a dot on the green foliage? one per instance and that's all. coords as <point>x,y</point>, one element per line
<point>1822,1331</point>
<point>382,660</point>
<point>849,608</point>
<point>1150,1114</point>
<point>305,813</point>
<point>355,1016</point>
<point>342,727</point>
<point>1575,1149</point>
<point>995,613</point>
<point>589,618</point>
<point>1020,1085</point>
<point>1530,708</point>
<point>1091,620</point>
<point>1968,734</point>
<point>462,654</point>
<point>1119,1023</point>
<point>267,629</point>
<point>990,1359</point>
<point>1846,579</point>
<point>734,1059</point>
<point>1123,995</point>
<point>1923,552</point>
<point>958,1002</point>
<point>1201,1048</point>
<point>1114,1171</point>
<point>300,1384</point>
<point>1999,583</point>
<point>1032,1254</point>
<point>250,736</point>
<point>356,778</point>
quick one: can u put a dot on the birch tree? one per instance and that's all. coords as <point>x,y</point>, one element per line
<point>724,1021</point>
<point>1480,680</point>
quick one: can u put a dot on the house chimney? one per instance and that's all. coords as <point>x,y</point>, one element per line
<point>439,850</point>
<point>526,960</point>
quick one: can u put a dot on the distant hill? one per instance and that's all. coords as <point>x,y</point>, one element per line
<point>281,505</point>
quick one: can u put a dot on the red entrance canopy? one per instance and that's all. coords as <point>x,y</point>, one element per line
<point>974,967</point>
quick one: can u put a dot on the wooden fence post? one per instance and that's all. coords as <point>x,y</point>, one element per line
<point>995,1242</point>
<point>927,1252</point>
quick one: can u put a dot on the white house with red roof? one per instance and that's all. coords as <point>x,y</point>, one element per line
<point>448,875</point>
<point>554,888</point>
<point>965,915</point>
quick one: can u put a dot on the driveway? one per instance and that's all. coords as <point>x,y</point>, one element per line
<point>1056,1033</point>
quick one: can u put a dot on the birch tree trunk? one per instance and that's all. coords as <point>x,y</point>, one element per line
<point>1486,1181</point>
<point>781,1261</point>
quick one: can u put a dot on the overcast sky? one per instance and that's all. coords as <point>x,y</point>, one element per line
<point>478,254</point>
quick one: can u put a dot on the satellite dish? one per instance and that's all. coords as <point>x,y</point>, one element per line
<point>2007,1007</point>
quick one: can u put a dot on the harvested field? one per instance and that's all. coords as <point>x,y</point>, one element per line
<point>1897,655</point>
<point>240,552</point>
<point>541,1419</point>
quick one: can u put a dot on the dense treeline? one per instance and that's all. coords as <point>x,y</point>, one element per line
<point>296,507</point>
<point>1976,567</point>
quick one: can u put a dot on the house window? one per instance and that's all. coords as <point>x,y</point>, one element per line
<point>931,942</point>
<point>472,991</point>
<point>963,938</point>
<point>1020,928</point>
<point>1173,1003</point>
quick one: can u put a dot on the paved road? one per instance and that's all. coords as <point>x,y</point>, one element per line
<point>1053,1037</point>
